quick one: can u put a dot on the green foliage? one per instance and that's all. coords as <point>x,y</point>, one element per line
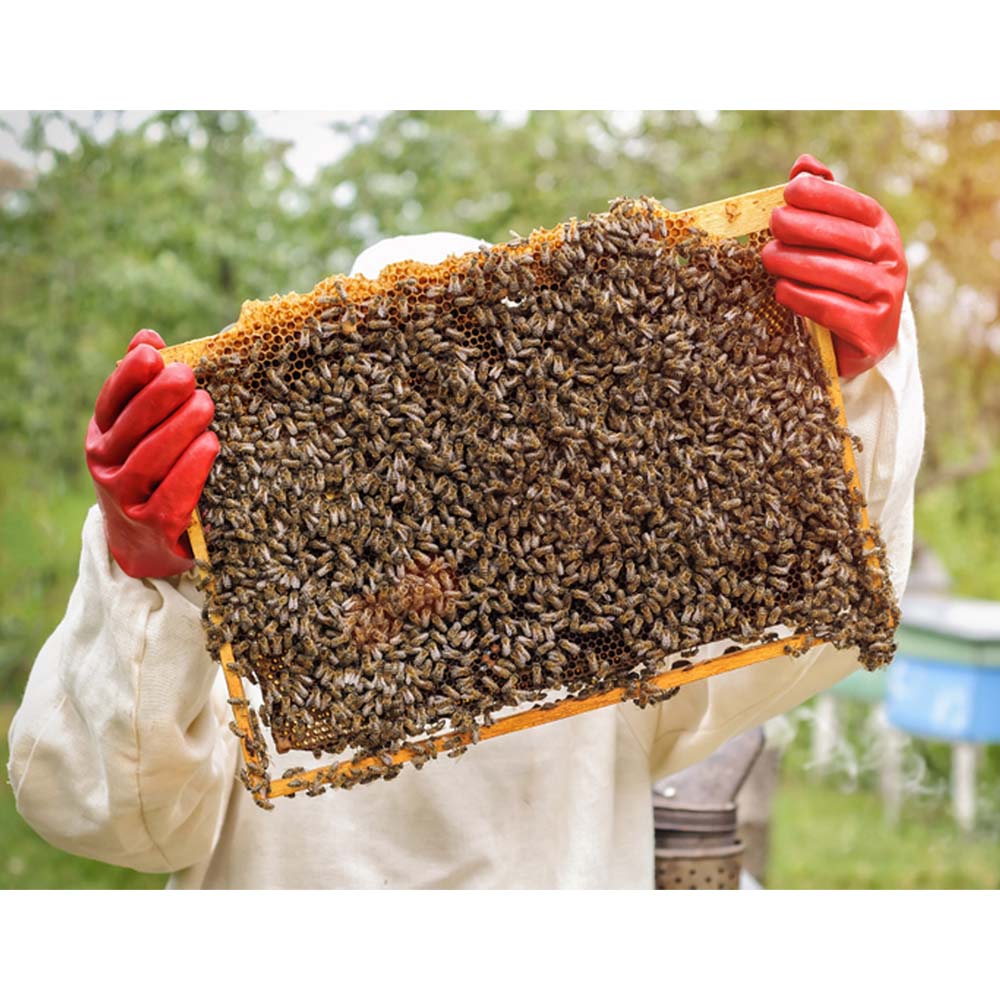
<point>961,521</point>
<point>485,174</point>
<point>41,517</point>
<point>958,184</point>
<point>169,226</point>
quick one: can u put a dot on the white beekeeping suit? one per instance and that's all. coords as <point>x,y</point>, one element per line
<point>120,750</point>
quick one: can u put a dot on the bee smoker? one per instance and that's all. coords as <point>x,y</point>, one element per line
<point>694,818</point>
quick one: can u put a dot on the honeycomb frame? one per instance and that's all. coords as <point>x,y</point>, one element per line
<point>745,215</point>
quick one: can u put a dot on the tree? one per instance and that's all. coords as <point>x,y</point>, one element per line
<point>170,226</point>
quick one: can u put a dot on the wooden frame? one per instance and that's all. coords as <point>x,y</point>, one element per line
<point>732,217</point>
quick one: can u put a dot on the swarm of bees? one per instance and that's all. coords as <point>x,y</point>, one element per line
<point>556,465</point>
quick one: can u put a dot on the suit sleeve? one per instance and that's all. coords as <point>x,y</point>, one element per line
<point>885,408</point>
<point>120,749</point>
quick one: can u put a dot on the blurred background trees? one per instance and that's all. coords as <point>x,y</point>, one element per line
<point>172,223</point>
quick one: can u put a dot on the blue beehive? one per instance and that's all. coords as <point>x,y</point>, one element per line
<point>945,681</point>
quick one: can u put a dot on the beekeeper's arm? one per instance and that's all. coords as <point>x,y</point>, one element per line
<point>120,749</point>
<point>839,261</point>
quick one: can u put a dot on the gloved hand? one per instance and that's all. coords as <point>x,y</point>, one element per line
<point>839,260</point>
<point>149,453</point>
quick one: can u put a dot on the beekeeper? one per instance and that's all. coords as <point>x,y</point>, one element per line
<point>120,750</point>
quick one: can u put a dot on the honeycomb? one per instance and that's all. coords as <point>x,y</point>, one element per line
<point>552,467</point>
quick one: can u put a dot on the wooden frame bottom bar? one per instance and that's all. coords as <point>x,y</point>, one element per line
<point>539,715</point>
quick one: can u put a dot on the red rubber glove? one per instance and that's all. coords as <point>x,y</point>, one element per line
<point>149,453</point>
<point>839,261</point>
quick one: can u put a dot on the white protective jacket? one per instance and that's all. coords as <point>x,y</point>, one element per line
<point>120,750</point>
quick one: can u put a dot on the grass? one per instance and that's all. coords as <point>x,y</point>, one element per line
<point>831,833</point>
<point>825,838</point>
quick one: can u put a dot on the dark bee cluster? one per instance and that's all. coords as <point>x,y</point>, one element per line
<point>551,466</point>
